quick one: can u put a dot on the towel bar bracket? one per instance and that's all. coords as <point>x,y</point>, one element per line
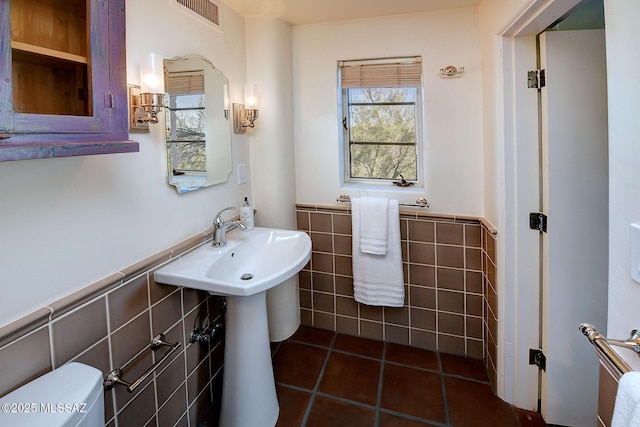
<point>604,345</point>
<point>114,377</point>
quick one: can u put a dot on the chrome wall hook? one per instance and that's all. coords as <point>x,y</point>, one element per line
<point>450,71</point>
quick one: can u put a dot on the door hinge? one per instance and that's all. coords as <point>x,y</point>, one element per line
<point>538,221</point>
<point>536,79</point>
<point>109,101</point>
<point>537,357</point>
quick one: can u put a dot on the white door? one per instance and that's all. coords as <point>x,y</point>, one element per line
<point>575,198</point>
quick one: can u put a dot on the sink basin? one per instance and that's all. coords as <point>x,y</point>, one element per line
<point>251,262</point>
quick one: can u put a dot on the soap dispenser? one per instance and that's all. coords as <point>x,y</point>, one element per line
<point>246,214</point>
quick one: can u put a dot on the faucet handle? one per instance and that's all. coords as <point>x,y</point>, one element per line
<point>218,219</point>
<point>229,208</point>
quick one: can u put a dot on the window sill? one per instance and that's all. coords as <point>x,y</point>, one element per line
<point>386,187</point>
<point>49,150</point>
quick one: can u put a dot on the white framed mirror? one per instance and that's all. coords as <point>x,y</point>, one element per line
<point>198,128</point>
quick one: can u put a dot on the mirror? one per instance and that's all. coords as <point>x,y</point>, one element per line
<point>198,129</point>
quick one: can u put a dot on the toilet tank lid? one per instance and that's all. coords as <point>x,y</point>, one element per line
<point>58,398</point>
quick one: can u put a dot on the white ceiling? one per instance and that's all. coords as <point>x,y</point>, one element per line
<point>300,12</point>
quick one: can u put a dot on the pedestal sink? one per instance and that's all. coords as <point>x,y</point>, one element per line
<point>251,263</point>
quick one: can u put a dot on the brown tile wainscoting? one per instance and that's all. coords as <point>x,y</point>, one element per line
<point>449,266</point>
<point>109,325</point>
<point>608,376</point>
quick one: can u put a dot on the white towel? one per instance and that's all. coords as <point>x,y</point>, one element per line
<point>378,279</point>
<point>626,412</point>
<point>374,225</point>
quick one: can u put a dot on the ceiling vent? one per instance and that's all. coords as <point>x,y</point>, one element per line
<point>204,8</point>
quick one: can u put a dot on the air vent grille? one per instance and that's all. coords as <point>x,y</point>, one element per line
<point>204,8</point>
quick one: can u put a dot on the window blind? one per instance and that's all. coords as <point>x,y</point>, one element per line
<point>401,72</point>
<point>185,83</point>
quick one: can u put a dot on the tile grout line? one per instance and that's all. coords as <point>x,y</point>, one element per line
<point>436,286</point>
<point>445,400</point>
<point>380,385</point>
<point>111,366</point>
<point>153,376</point>
<point>464,287</point>
<point>318,381</point>
<point>333,276</point>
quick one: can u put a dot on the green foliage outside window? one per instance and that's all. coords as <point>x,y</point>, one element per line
<point>191,157</point>
<point>186,134</point>
<point>382,133</point>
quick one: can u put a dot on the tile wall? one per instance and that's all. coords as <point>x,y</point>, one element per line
<point>449,268</point>
<point>608,376</point>
<point>451,306</point>
<point>109,325</point>
<point>489,268</point>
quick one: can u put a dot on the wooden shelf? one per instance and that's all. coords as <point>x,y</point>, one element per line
<point>47,150</point>
<point>39,50</point>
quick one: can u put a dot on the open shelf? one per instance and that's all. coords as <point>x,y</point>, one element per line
<point>39,50</point>
<point>51,57</point>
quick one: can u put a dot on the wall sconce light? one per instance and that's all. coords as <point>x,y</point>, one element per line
<point>244,115</point>
<point>151,87</point>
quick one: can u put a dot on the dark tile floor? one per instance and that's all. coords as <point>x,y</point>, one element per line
<point>324,379</point>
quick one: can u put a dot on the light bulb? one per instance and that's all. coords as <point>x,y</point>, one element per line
<point>250,96</point>
<point>151,73</point>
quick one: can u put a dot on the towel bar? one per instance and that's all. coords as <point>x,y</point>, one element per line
<point>421,202</point>
<point>115,377</point>
<point>602,344</point>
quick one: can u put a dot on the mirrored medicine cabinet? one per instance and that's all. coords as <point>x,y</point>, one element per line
<point>198,128</point>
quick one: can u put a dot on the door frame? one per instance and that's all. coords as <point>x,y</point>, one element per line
<point>518,141</point>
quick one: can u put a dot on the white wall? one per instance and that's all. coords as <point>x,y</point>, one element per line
<point>272,153</point>
<point>453,130</point>
<point>621,18</point>
<point>494,16</point>
<point>66,223</point>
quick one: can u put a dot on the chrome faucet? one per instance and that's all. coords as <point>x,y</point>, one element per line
<point>220,228</point>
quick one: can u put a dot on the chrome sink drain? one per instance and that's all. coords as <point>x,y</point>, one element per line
<point>247,276</point>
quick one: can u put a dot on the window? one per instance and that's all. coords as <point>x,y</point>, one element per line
<point>381,119</point>
<point>186,122</point>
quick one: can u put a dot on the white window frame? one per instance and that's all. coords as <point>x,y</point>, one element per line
<point>343,106</point>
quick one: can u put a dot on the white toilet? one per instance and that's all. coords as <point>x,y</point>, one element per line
<point>70,396</point>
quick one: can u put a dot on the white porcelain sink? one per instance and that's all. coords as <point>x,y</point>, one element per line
<point>265,257</point>
<point>251,262</point>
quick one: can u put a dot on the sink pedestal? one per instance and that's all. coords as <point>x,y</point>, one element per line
<point>249,390</point>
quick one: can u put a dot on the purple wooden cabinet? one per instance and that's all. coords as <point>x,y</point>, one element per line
<point>104,129</point>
